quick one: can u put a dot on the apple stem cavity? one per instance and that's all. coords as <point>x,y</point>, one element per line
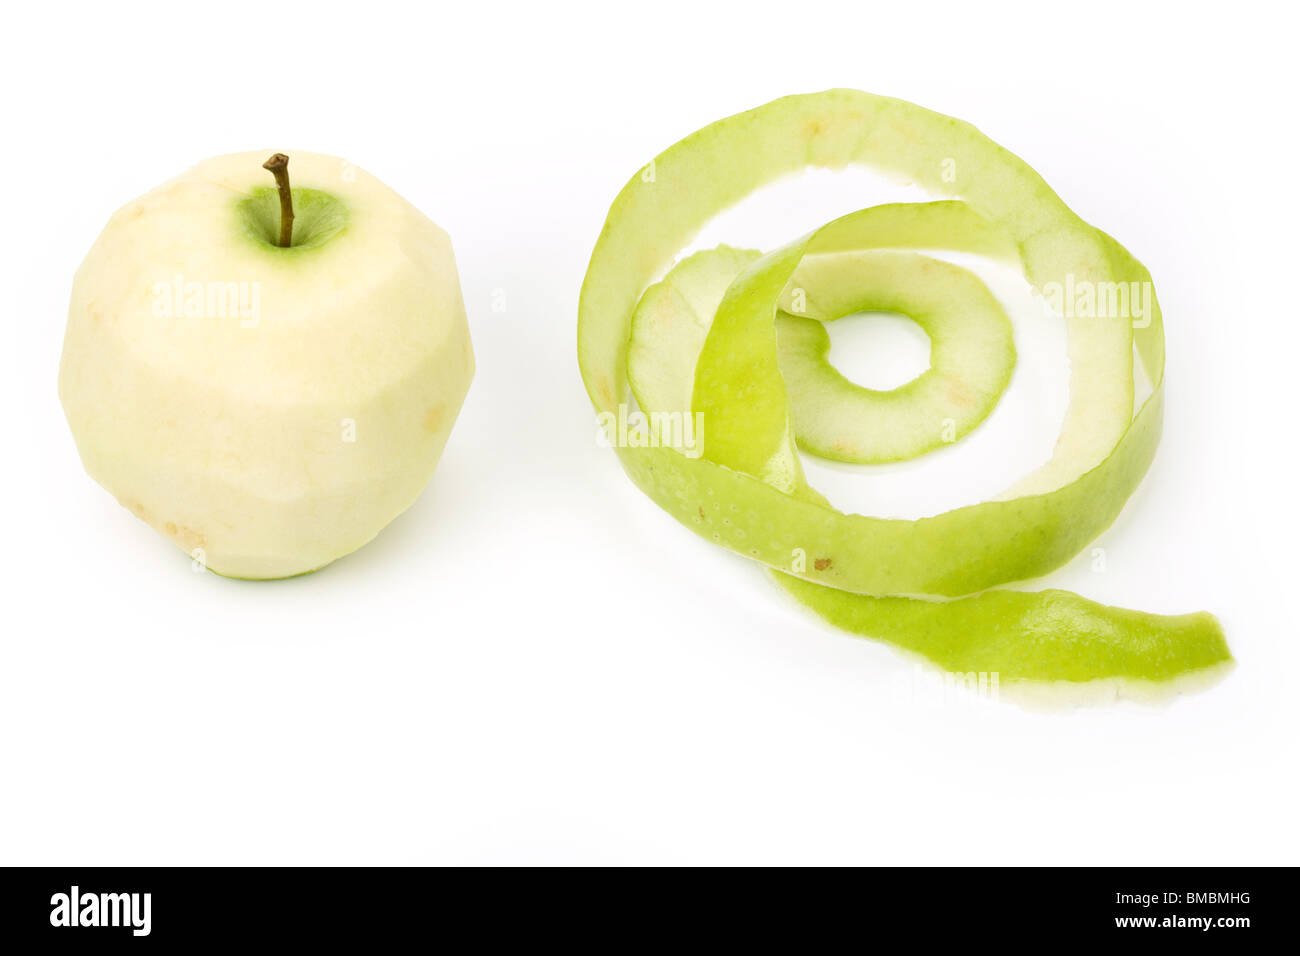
<point>279,167</point>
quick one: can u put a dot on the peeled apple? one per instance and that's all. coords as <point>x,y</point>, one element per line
<point>266,408</point>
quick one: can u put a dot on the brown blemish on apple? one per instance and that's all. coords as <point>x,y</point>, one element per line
<point>433,418</point>
<point>821,564</point>
<point>187,538</point>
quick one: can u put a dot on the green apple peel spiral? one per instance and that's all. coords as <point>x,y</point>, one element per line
<point>720,336</point>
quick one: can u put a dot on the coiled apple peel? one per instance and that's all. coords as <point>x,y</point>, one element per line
<point>736,339</point>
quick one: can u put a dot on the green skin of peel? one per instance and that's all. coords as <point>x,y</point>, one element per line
<point>888,578</point>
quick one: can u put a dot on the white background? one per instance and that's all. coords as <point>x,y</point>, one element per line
<point>534,664</point>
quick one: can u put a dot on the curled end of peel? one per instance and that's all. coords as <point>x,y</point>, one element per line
<point>1044,650</point>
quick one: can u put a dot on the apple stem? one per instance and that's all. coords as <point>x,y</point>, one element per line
<point>279,167</point>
